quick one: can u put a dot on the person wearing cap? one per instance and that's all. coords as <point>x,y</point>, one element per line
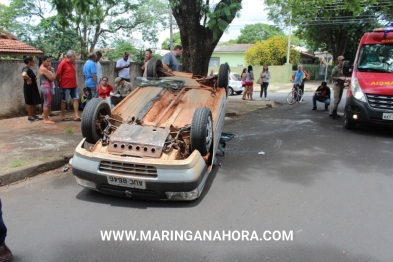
<point>122,89</point>
<point>322,94</point>
<point>339,79</point>
<point>123,67</point>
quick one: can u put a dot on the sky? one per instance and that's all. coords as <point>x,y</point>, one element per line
<point>252,12</point>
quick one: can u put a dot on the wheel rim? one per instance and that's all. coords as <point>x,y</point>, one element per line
<point>209,133</point>
<point>230,91</point>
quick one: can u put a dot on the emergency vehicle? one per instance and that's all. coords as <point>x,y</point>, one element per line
<point>370,94</point>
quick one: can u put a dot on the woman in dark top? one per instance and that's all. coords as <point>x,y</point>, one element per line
<point>30,89</point>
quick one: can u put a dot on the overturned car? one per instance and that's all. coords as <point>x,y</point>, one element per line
<point>159,142</point>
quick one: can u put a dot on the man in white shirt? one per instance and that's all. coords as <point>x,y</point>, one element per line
<point>98,66</point>
<point>123,67</point>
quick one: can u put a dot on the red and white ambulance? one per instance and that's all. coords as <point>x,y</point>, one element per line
<point>370,93</point>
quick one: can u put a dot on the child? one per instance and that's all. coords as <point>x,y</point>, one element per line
<point>83,99</point>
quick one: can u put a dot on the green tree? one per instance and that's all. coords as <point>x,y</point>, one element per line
<point>272,52</point>
<point>338,25</point>
<point>250,34</point>
<point>52,39</point>
<point>119,47</point>
<point>95,19</point>
<point>176,41</point>
<point>201,26</point>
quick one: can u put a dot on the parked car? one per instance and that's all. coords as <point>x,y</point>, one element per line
<point>234,84</point>
<point>159,142</point>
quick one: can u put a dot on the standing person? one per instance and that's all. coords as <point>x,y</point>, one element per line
<point>211,73</point>
<point>90,73</point>
<point>244,77</point>
<point>123,67</point>
<point>265,74</point>
<point>148,56</point>
<point>250,82</point>
<point>105,88</point>
<point>322,94</point>
<point>46,79</point>
<point>5,252</point>
<point>98,66</point>
<point>30,89</point>
<point>169,61</point>
<point>339,79</point>
<point>298,79</point>
<point>66,77</point>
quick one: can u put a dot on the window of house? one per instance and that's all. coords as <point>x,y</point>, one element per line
<point>214,62</point>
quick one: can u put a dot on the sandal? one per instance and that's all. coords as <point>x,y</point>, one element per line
<point>49,122</point>
<point>77,119</point>
<point>64,119</point>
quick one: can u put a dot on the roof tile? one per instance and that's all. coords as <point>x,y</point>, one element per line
<point>16,47</point>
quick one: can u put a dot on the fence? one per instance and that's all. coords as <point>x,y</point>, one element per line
<point>11,84</point>
<point>318,72</point>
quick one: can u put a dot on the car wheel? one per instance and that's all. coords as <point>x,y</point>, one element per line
<point>348,124</point>
<point>154,67</point>
<point>202,130</point>
<point>93,119</point>
<point>239,92</point>
<point>230,91</point>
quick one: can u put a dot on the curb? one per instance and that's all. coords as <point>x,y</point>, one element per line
<point>30,171</point>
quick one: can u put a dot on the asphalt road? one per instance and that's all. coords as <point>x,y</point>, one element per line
<point>287,169</point>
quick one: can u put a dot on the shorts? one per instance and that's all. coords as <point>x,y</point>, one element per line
<point>46,93</point>
<point>66,92</point>
<point>249,84</point>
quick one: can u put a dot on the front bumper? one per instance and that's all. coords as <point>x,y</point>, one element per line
<point>361,112</point>
<point>183,176</point>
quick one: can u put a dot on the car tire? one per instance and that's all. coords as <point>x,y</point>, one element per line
<point>201,131</point>
<point>223,76</point>
<point>96,109</point>
<point>154,67</point>
<point>350,125</point>
<point>230,91</point>
<point>239,92</point>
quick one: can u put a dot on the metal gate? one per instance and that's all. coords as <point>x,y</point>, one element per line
<point>56,99</point>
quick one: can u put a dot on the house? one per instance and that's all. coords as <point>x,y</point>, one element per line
<point>11,46</point>
<point>232,54</point>
<point>306,57</point>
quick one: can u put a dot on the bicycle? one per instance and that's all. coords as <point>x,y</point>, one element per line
<point>294,96</point>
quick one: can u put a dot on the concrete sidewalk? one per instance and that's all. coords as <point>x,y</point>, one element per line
<point>28,149</point>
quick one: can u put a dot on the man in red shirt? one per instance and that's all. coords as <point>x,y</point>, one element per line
<point>66,77</point>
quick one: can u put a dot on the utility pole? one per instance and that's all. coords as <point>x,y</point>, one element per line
<point>170,30</point>
<point>289,36</point>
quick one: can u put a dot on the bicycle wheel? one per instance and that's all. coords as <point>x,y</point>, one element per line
<point>299,95</point>
<point>291,98</point>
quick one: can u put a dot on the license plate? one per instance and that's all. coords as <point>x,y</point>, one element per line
<point>387,116</point>
<point>126,182</point>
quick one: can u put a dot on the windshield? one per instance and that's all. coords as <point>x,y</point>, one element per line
<point>236,77</point>
<point>162,82</point>
<point>376,58</point>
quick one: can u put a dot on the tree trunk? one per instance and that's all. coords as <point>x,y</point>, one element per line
<point>197,40</point>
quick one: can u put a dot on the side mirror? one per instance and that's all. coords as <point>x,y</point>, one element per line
<point>347,68</point>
